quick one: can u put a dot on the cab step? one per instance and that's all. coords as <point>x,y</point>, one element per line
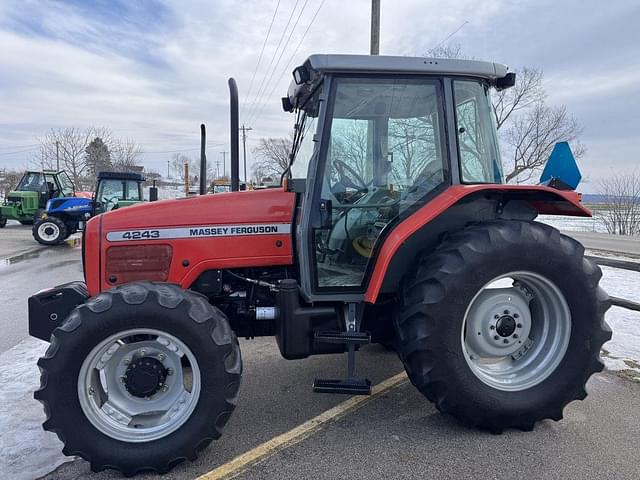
<point>348,338</point>
<point>350,386</point>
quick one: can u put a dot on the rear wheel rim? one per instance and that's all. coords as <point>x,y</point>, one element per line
<point>516,331</point>
<point>110,402</point>
<point>48,231</point>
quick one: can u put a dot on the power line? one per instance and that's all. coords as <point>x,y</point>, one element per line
<point>19,151</point>
<point>284,48</point>
<point>451,34</point>
<point>293,55</point>
<point>21,146</point>
<point>264,44</point>
<point>284,32</point>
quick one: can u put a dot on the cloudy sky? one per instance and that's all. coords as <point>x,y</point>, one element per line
<point>154,70</point>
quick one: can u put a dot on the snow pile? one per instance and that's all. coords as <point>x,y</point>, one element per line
<point>27,450</point>
<point>622,353</point>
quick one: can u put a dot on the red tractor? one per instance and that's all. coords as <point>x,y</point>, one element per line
<point>392,225</point>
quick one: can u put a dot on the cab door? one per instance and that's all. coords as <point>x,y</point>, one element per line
<point>382,153</point>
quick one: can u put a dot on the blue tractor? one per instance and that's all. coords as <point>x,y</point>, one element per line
<point>64,216</point>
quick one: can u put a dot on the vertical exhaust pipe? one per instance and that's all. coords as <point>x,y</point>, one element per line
<point>203,159</point>
<point>235,136</point>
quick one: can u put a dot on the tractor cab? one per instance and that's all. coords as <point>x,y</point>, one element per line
<point>32,193</point>
<point>116,190</point>
<point>376,139</point>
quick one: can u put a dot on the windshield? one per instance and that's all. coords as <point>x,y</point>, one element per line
<point>111,192</point>
<point>477,143</point>
<point>32,182</point>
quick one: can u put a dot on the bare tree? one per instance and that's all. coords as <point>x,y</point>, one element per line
<point>125,154</point>
<point>8,181</point>
<point>527,127</point>
<point>622,196</point>
<point>272,156</point>
<point>530,138</point>
<point>70,144</point>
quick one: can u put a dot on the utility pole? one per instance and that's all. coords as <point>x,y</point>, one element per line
<point>375,27</point>
<point>57,156</point>
<point>224,164</point>
<point>168,164</point>
<point>244,150</point>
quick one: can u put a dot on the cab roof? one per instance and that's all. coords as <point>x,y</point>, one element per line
<point>320,64</point>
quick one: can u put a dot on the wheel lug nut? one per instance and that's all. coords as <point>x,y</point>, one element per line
<point>496,316</point>
<point>165,388</point>
<point>91,391</point>
<point>126,361</point>
<point>170,371</point>
<point>519,325</point>
<point>122,379</point>
<point>492,327</point>
<point>505,341</point>
<point>515,315</point>
<point>515,335</point>
<point>506,312</point>
<point>496,337</point>
<point>143,353</point>
<point>161,356</point>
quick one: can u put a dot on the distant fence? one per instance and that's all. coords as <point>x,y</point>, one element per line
<point>622,265</point>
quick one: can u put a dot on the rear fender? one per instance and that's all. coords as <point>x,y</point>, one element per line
<point>452,210</point>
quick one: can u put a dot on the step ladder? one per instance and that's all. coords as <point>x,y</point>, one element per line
<point>350,337</point>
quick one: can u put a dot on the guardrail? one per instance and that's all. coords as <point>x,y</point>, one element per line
<point>622,265</point>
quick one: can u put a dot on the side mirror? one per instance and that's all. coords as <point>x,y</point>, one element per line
<point>301,75</point>
<point>508,81</point>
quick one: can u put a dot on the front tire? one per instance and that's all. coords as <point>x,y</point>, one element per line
<point>502,325</point>
<point>95,384</point>
<point>49,231</point>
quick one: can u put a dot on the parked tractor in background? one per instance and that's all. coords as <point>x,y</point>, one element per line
<point>64,216</point>
<point>30,197</point>
<point>392,225</point>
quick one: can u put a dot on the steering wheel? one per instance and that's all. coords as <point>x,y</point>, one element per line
<point>348,176</point>
<point>107,201</point>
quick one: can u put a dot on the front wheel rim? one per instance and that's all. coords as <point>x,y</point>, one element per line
<point>48,231</point>
<point>516,331</point>
<point>115,408</point>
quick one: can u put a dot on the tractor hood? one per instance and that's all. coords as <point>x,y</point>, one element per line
<point>178,240</point>
<point>257,206</point>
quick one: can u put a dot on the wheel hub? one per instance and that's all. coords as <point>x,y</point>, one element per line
<point>144,377</point>
<point>505,326</point>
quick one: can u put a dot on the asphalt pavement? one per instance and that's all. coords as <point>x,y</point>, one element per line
<point>397,435</point>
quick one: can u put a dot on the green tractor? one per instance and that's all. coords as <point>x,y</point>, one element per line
<point>29,199</point>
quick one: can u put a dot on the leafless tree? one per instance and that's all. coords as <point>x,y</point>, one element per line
<point>527,127</point>
<point>272,156</point>
<point>8,181</point>
<point>71,144</point>
<point>125,154</point>
<point>621,214</point>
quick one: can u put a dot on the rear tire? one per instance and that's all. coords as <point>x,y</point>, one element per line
<point>3,222</point>
<point>49,231</point>
<point>448,314</point>
<point>157,320</point>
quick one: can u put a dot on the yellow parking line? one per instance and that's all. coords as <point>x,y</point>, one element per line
<point>299,433</point>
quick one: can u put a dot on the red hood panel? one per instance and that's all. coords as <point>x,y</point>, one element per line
<point>257,206</point>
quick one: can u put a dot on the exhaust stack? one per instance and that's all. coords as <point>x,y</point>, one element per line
<point>203,160</point>
<point>235,136</point>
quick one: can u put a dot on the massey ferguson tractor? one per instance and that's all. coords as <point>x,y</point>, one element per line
<point>392,225</point>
